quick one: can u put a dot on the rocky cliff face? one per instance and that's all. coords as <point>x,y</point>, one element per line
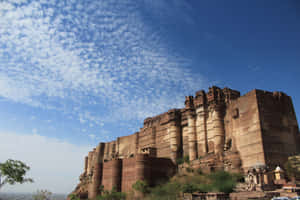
<point>218,129</point>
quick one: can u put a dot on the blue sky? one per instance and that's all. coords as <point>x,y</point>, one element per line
<point>73,73</point>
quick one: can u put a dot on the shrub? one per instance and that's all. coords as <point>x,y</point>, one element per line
<point>199,171</point>
<point>186,159</point>
<point>226,187</point>
<point>238,177</point>
<point>222,181</point>
<point>219,181</point>
<point>112,195</point>
<point>205,188</point>
<point>42,195</point>
<point>188,169</point>
<point>141,186</point>
<point>101,188</point>
<point>190,188</point>
<point>74,197</point>
<point>168,191</point>
<point>291,170</point>
<point>179,161</point>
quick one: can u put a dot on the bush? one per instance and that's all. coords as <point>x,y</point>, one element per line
<point>42,195</point>
<point>186,159</point>
<point>179,161</point>
<point>226,186</point>
<point>190,170</point>
<point>74,197</point>
<point>190,188</point>
<point>238,177</point>
<point>222,181</point>
<point>199,171</point>
<point>112,195</point>
<point>219,181</point>
<point>168,191</point>
<point>291,170</point>
<point>141,186</point>
<point>205,188</point>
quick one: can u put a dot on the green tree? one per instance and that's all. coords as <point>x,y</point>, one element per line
<point>42,195</point>
<point>13,171</point>
<point>292,170</point>
<point>74,197</point>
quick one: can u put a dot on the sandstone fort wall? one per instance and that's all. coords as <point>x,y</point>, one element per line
<point>217,130</point>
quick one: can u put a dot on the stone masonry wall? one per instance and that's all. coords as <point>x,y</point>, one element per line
<point>279,127</point>
<point>123,173</point>
<point>217,129</point>
<point>243,127</point>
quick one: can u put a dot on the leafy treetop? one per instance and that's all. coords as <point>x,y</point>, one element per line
<point>13,171</point>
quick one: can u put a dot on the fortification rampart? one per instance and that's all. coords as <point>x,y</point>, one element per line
<point>218,129</point>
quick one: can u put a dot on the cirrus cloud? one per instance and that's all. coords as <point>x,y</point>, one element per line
<point>80,57</point>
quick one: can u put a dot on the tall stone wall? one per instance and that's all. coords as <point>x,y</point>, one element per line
<point>112,174</point>
<point>217,129</point>
<point>205,130</point>
<point>160,169</point>
<point>127,146</point>
<point>279,127</point>
<point>109,150</point>
<point>185,143</point>
<point>162,138</point>
<point>128,174</point>
<point>121,174</point>
<point>96,170</point>
<point>243,129</point>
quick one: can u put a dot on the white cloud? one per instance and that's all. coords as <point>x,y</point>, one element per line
<point>92,136</point>
<point>87,116</point>
<point>34,131</point>
<point>32,117</point>
<point>55,164</point>
<point>94,54</point>
<point>6,6</point>
<point>94,61</point>
<point>100,53</point>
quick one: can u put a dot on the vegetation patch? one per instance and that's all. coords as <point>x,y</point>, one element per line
<point>219,181</point>
<point>111,195</point>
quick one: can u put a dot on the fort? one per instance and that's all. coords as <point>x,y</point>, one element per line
<point>216,130</point>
